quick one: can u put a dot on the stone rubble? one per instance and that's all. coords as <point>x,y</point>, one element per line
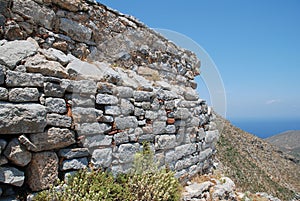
<point>219,189</point>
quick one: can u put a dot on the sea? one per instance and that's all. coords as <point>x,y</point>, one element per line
<point>265,128</point>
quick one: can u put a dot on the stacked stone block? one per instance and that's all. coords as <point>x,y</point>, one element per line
<point>72,95</point>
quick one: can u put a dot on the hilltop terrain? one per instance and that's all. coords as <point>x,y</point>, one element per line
<point>288,141</point>
<point>254,164</point>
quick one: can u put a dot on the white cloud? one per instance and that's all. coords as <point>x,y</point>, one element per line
<point>273,101</point>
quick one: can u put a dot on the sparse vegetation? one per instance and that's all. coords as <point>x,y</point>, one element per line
<point>87,185</point>
<point>148,183</point>
<point>145,183</point>
<point>245,173</point>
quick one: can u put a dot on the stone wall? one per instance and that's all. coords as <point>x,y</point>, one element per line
<point>83,84</point>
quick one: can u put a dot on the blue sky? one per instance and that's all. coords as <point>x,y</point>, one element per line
<point>254,44</point>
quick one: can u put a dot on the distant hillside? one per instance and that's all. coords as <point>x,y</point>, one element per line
<point>254,164</point>
<point>288,141</point>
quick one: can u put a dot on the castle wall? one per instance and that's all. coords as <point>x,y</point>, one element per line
<point>83,84</point>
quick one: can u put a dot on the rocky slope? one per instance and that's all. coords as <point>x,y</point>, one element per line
<point>254,164</point>
<point>288,141</point>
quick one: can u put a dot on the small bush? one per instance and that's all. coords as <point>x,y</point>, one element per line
<point>156,186</point>
<point>84,186</point>
<point>148,183</point>
<point>144,183</point>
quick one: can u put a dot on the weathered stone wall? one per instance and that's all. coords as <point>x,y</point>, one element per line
<point>81,83</point>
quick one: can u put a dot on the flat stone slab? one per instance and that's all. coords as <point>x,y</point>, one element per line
<point>22,118</point>
<point>54,138</point>
<point>11,175</point>
<point>74,153</point>
<point>24,95</point>
<point>14,51</point>
<point>74,164</point>
<point>19,79</point>
<point>59,120</point>
<point>39,64</point>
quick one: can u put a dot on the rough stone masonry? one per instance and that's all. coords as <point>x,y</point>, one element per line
<point>83,84</point>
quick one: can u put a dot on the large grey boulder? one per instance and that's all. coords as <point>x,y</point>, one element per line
<point>126,122</point>
<point>124,92</point>
<point>121,137</point>
<point>17,153</point>
<point>92,128</point>
<point>59,120</point>
<point>77,68</point>
<point>54,138</point>
<point>40,14</point>
<point>54,89</point>
<point>39,64</point>
<point>81,101</point>
<point>56,105</point>
<point>105,99</point>
<point>186,162</point>
<point>141,96</point>
<point>22,118</point>
<point>13,52</point>
<point>184,150</point>
<point>82,87</point>
<point>112,110</point>
<point>75,30</point>
<point>74,164</point>
<point>224,190</point>
<point>165,142</point>
<point>19,79</point>
<point>159,127</point>
<point>190,95</point>
<point>57,54</point>
<point>73,153</point>
<point>97,141</point>
<point>196,190</point>
<point>182,113</point>
<point>126,152</point>
<point>166,95</point>
<point>85,115</point>
<point>11,175</point>
<point>127,107</point>
<point>24,95</point>
<point>102,158</point>
<point>42,172</point>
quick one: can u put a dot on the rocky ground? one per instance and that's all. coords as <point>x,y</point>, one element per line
<point>255,165</point>
<point>218,187</point>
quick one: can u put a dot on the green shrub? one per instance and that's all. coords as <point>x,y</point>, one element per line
<point>155,186</point>
<point>87,186</point>
<point>144,183</point>
<point>148,183</point>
